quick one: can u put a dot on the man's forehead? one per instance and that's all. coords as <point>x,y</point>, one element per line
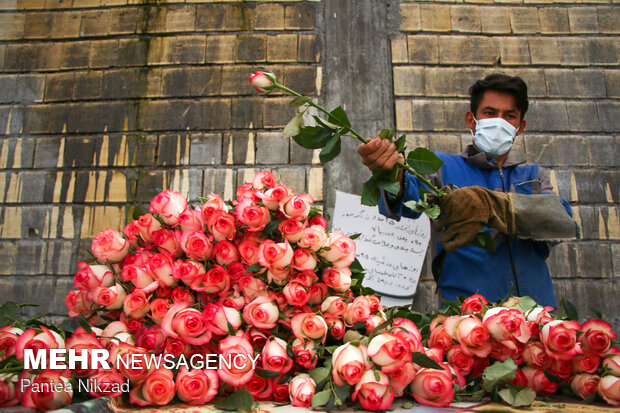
<point>496,100</point>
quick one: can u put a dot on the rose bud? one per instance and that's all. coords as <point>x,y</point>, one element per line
<point>597,337</point>
<point>112,331</point>
<point>305,353</point>
<point>313,237</point>
<point>358,310</point>
<point>432,387</point>
<point>334,305</point>
<point>560,339</point>
<point>241,373</point>
<point>388,351</point>
<point>187,271</point>
<point>434,353</point>
<point>167,241</point>
<point>136,304</point>
<point>341,250</point>
<point>186,323</point>
<point>291,229</point>
<point>220,319</point>
<point>271,198</point>
<point>159,266</point>
<point>78,303</point>
<point>535,355</point>
<point>214,281</point>
<point>349,364</point>
<point>474,305</point>
<point>46,400</point>
<point>246,191</point>
<point>225,253</point>
<point>374,394</point>
<point>520,379</point>
<point>505,324</point>
<point>561,369</point>
<point>336,325</point>
<point>585,363</point>
<point>138,277</point>
<point>471,333</point>
<point>609,389</point>
<point>537,380</point>
<point>152,339</point>
<point>214,203</point>
<point>176,347</point>
<point>233,298</point>
<point>280,392</point>
<point>262,81</point>
<point>296,206</point>
<point>258,338</point>
<point>133,365</point>
<point>8,338</point>
<point>169,205</point>
<point>254,216</point>
<point>296,294</point>
<point>259,387</point>
<point>196,387</point>
<point>252,287</point>
<point>157,389</point>
<point>584,385</point>
<point>196,245</point>
<point>301,389</point>
<point>103,382</point>
<point>88,277</point>
<point>271,254</point>
<point>611,362</point>
<point>440,338</point>
<point>462,361</point>
<point>317,293</point>
<point>409,332</point>
<point>309,326</point>
<point>38,339</point>
<point>110,246</point>
<point>274,356</point>
<point>338,279</point>
<point>262,312</point>
<point>403,375</point>
<point>191,220</point>
<point>147,224</point>
<point>264,179</point>
<point>540,315</point>
<point>8,397</point>
<point>159,307</point>
<point>318,220</point>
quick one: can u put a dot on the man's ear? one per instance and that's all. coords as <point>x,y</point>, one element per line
<point>520,130</point>
<point>469,120</point>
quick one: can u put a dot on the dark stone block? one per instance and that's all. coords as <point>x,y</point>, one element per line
<point>608,115</point>
<point>75,55</point>
<point>278,112</point>
<point>175,82</point>
<point>603,50</point>
<point>101,116</point>
<point>123,20</point>
<point>304,79</point>
<point>190,50</point>
<point>251,48</point>
<point>79,152</point>
<point>240,147</point>
<point>59,87</point>
<point>215,181</point>
<point>171,150</point>
<point>164,115</point>
<point>205,81</point>
<point>44,119</point>
<point>88,85</point>
<point>299,16</point>
<point>124,84</point>
<point>47,152</point>
<point>132,52</point>
<point>582,116</point>
<point>149,184</point>
<point>593,186</point>
<point>308,48</point>
<point>247,113</point>
<point>604,150</point>
<point>205,149</point>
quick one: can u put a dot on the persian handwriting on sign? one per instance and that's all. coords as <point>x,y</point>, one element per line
<point>392,252</point>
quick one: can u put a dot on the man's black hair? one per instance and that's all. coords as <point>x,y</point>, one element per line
<point>500,83</point>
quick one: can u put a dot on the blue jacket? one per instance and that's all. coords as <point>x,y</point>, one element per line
<point>470,270</point>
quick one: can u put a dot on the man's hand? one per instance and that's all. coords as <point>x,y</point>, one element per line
<point>379,153</point>
<point>465,210</point>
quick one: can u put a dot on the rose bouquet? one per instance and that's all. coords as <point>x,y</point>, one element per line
<point>261,279</point>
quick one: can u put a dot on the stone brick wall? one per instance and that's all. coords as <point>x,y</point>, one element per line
<point>105,102</point>
<point>568,53</point>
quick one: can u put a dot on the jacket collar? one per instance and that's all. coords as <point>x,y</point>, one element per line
<point>477,159</point>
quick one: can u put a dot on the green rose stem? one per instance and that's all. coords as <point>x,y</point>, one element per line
<point>440,194</point>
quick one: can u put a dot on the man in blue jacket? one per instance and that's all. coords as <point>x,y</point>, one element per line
<point>511,200</point>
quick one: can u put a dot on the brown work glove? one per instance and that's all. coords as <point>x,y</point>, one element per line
<point>465,210</point>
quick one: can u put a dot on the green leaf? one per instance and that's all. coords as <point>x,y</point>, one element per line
<point>526,303</point>
<point>571,311</point>
<point>331,149</point>
<point>271,227</point>
<point>597,313</point>
<point>498,374</point>
<point>321,398</point>
<point>267,374</point>
<point>293,127</point>
<point>313,137</point>
<point>241,399</point>
<point>84,323</point>
<point>423,360</point>
<point>253,268</point>
<point>342,394</point>
<point>400,143</point>
<point>424,161</point>
<point>518,397</point>
<point>325,123</point>
<point>478,395</point>
<point>432,212</point>
<point>484,240</point>
<point>339,117</point>
<point>552,377</point>
<point>370,193</point>
<point>386,134</point>
<point>319,374</point>
<point>391,187</point>
<point>299,100</point>
<point>355,236</point>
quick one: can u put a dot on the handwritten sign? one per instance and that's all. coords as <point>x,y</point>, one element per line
<point>392,252</point>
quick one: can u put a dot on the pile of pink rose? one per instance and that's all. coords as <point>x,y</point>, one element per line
<point>262,276</point>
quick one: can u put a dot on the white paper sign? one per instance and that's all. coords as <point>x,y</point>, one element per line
<point>392,252</point>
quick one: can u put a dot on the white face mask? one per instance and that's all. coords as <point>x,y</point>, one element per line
<point>494,136</point>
